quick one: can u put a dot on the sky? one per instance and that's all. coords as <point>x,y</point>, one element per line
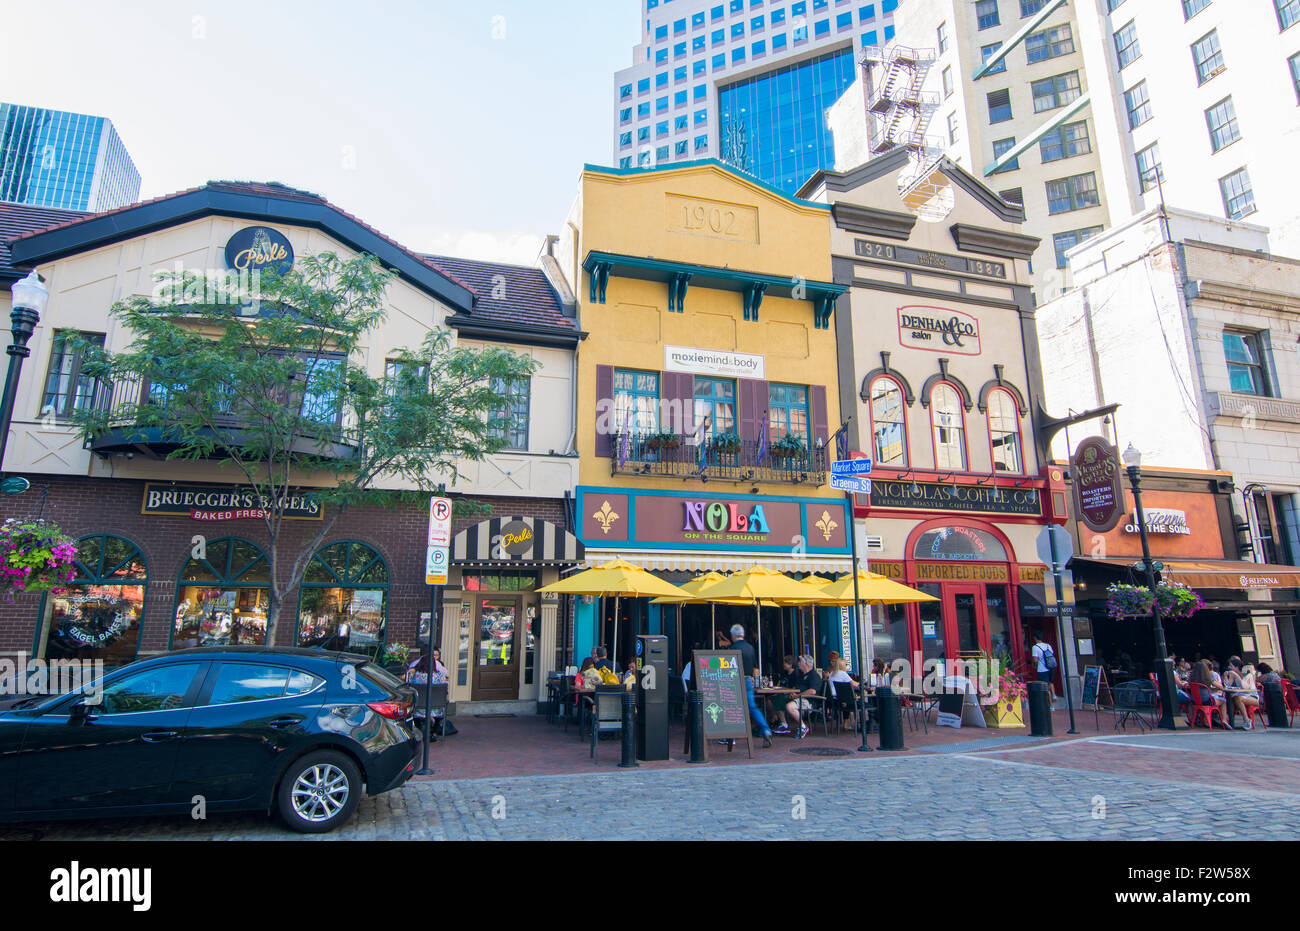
<point>456,127</point>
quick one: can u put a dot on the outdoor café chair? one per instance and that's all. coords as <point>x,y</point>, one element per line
<point>607,717</point>
<point>817,708</point>
<point>676,697</point>
<point>1200,708</point>
<point>1134,701</point>
<point>845,703</point>
<point>438,704</point>
<point>1291,698</point>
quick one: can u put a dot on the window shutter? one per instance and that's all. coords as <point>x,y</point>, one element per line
<point>752,405</point>
<point>678,387</point>
<point>817,401</point>
<point>604,393</point>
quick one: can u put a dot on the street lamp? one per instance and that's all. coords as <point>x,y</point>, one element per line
<point>1164,665</point>
<point>29,297</point>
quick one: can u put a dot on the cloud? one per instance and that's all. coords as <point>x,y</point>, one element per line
<point>510,247</point>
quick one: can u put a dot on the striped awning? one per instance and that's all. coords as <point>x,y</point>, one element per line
<point>721,562</point>
<point>517,541</point>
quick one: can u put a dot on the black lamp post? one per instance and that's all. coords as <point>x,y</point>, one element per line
<point>1165,683</point>
<point>29,297</point>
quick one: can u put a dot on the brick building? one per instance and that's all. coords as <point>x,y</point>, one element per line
<point>166,559</point>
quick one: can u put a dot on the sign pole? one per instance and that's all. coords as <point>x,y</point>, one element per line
<point>434,591</point>
<point>857,620</point>
<point>436,566</point>
<point>1060,628</point>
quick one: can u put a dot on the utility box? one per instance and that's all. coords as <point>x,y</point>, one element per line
<point>651,728</point>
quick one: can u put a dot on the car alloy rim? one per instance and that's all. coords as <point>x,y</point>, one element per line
<point>319,793</point>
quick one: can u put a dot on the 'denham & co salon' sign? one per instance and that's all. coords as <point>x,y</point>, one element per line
<point>222,502</point>
<point>719,362</point>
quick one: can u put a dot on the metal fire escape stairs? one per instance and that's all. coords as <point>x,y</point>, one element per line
<point>900,112</point>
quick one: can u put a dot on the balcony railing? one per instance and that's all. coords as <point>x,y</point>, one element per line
<point>128,429</point>
<point>647,454</point>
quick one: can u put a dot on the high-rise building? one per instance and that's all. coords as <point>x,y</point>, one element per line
<point>744,81</point>
<point>1088,113</point>
<point>49,158</point>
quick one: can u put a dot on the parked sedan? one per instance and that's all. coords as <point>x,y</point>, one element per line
<point>302,732</point>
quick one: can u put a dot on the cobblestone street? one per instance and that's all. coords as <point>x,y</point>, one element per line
<point>1154,787</point>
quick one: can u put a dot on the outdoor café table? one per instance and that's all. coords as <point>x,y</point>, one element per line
<point>921,707</point>
<point>767,694</point>
<point>585,704</point>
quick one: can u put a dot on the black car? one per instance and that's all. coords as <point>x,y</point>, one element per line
<point>300,731</point>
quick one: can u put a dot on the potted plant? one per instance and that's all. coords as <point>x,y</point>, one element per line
<point>1001,698</point>
<point>397,656</point>
<point>726,442</point>
<point>789,447</point>
<point>35,556</point>
<point>663,440</point>
<point>1174,600</point>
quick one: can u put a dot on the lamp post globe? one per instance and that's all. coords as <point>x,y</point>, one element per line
<point>29,297</point>
<point>1132,457</point>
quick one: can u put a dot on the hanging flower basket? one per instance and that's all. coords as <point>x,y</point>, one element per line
<point>1174,599</point>
<point>726,442</point>
<point>35,557</point>
<point>789,447</point>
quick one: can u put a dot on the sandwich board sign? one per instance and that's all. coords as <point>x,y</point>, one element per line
<point>721,680</point>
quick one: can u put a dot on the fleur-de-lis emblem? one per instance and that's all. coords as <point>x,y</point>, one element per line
<point>605,516</point>
<point>826,525</point>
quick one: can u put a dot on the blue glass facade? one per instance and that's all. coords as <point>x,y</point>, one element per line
<point>49,158</point>
<point>773,125</point>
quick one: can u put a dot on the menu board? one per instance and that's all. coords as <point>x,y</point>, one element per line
<point>721,681</point>
<point>1094,681</point>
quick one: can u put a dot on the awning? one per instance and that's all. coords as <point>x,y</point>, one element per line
<point>721,562</point>
<point>1213,573</point>
<point>515,542</point>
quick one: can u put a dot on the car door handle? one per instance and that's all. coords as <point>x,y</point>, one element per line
<point>157,737</point>
<point>284,722</point>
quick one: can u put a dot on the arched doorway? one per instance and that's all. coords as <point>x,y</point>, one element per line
<point>98,617</point>
<point>343,604</point>
<point>222,595</point>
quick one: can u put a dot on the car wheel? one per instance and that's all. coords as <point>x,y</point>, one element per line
<point>319,792</point>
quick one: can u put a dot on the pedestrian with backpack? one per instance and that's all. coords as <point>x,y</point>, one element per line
<point>1045,658</point>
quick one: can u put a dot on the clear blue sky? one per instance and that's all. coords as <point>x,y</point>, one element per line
<point>468,122</point>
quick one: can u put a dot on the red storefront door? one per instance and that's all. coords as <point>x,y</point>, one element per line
<point>966,618</point>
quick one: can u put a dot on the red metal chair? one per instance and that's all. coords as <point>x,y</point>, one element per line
<point>1253,710</point>
<point>1292,698</point>
<point>1200,707</point>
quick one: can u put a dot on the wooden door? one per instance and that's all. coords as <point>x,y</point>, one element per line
<point>496,660</point>
<point>968,623</point>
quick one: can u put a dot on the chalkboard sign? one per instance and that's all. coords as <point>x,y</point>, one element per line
<point>1094,682</point>
<point>721,682</point>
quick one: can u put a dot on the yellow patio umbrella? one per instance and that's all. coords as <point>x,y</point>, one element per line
<point>692,590</point>
<point>873,588</point>
<point>759,585</point>
<point>618,578</point>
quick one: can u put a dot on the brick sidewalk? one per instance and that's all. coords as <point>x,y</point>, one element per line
<point>529,746</point>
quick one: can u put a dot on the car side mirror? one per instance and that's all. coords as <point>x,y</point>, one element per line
<point>79,712</point>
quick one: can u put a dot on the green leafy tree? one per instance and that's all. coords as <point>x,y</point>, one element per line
<point>271,381</point>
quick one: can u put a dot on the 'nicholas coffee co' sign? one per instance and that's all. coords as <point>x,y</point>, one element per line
<point>1098,492</point>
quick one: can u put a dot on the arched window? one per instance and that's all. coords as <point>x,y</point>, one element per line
<point>949,428</point>
<point>888,423</point>
<point>1004,432</point>
<point>98,618</point>
<point>344,599</point>
<point>222,595</point>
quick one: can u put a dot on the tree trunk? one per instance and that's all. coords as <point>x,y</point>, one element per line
<point>272,616</point>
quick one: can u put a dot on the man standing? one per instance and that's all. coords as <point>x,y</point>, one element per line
<point>1045,660</point>
<point>748,661</point>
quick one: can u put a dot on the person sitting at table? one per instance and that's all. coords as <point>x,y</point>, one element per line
<point>589,675</point>
<point>1240,686</point>
<point>417,673</point>
<point>786,679</point>
<point>1181,676</point>
<point>809,684</point>
<point>600,656</point>
<point>837,673</point>
<point>1203,674</point>
<point>879,674</point>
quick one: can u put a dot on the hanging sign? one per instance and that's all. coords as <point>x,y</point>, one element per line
<point>1098,492</point>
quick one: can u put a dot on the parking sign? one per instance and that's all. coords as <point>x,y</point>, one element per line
<point>438,556</point>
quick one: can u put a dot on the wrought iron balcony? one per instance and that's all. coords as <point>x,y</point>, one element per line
<point>681,456</point>
<point>129,429</point>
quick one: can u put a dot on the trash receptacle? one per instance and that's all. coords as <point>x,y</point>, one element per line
<point>889,715</point>
<point>1040,709</point>
<point>1275,704</point>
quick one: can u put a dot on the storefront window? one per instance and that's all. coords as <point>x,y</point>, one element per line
<point>222,596</point>
<point>788,412</point>
<point>999,622</point>
<point>98,618</point>
<point>965,543</point>
<point>344,600</point>
<point>715,401</point>
<point>888,425</point>
<point>933,642</point>
<point>890,633</point>
<point>636,401</point>
<point>949,429</point>
<point>1004,432</point>
<point>500,581</point>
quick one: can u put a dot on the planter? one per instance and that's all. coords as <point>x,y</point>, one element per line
<point>1005,714</point>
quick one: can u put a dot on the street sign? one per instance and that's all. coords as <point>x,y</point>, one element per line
<point>1064,545</point>
<point>14,485</point>
<point>851,483</point>
<point>851,467</point>
<point>438,555</point>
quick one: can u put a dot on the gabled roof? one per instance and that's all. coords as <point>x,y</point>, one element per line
<point>19,219</point>
<point>256,201</point>
<point>508,293</point>
<point>724,167</point>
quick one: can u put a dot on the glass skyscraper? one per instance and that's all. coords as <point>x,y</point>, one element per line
<point>773,125</point>
<point>49,158</point>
